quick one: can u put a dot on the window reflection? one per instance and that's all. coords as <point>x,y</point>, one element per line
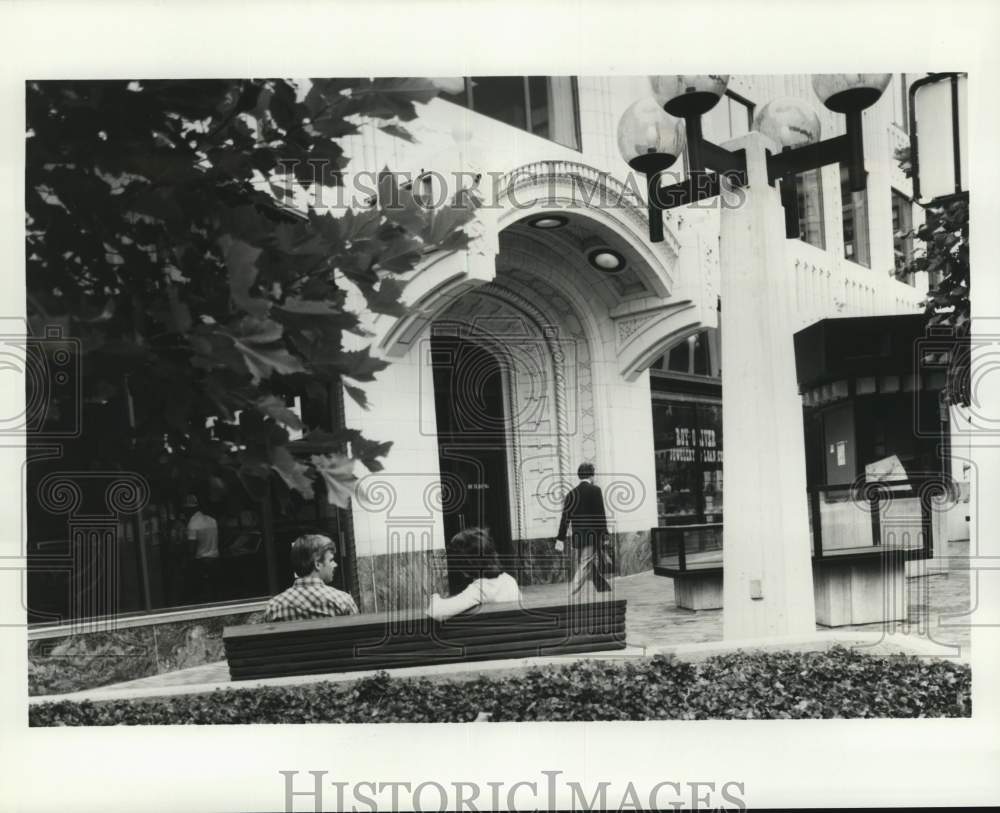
<point>809,189</point>
<point>687,439</point>
<point>902,231</point>
<point>544,105</point>
<point>854,206</point>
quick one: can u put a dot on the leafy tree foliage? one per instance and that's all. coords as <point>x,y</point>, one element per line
<point>944,255</point>
<point>163,238</point>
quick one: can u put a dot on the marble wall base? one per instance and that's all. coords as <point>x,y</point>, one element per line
<point>75,662</point>
<point>401,581</point>
<point>540,564</point>
<point>633,552</point>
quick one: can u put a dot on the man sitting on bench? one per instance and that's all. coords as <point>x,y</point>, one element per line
<point>311,595</point>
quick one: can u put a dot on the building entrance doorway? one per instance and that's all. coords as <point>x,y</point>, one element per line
<point>472,426</point>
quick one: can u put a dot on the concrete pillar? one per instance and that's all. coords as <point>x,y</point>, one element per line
<point>768,587</point>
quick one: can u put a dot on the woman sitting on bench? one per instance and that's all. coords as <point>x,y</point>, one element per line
<point>472,551</point>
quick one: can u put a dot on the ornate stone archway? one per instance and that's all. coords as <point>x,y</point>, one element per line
<point>575,342</point>
<point>662,296</point>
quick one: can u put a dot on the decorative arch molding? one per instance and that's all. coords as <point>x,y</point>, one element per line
<point>547,275</point>
<point>430,290</point>
<point>551,187</point>
<point>543,187</point>
<point>643,337</point>
<point>577,342</point>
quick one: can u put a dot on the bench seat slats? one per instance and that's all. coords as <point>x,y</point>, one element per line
<point>409,627</point>
<point>361,649</point>
<point>384,640</point>
<point>342,657</point>
<point>494,612</point>
<point>428,635</point>
<point>313,667</point>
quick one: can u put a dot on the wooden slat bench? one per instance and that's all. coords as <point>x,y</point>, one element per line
<point>410,638</point>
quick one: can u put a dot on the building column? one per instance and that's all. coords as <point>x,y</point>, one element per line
<point>767,587</point>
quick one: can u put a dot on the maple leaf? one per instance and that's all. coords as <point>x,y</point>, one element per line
<point>358,395</point>
<point>241,262</point>
<point>444,222</point>
<point>276,408</point>
<point>337,471</point>
<point>263,361</point>
<point>386,298</point>
<point>398,131</point>
<point>259,342</point>
<point>401,253</point>
<point>291,471</point>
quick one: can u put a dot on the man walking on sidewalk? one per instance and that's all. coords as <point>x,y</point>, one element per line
<point>583,510</point>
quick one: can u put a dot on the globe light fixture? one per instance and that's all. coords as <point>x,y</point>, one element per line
<point>649,139</point>
<point>686,95</point>
<point>850,92</point>
<point>789,122</point>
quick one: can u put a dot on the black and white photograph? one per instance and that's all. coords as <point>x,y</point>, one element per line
<point>408,442</point>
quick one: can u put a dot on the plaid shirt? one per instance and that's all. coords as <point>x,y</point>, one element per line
<point>309,597</point>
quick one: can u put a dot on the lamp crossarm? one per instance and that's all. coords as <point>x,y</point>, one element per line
<point>719,159</point>
<point>847,149</point>
<point>802,159</point>
<point>697,186</point>
<point>708,163</point>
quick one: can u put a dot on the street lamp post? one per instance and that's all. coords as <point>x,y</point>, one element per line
<point>653,133</point>
<point>767,566</point>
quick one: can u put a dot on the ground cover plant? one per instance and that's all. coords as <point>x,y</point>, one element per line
<point>742,685</point>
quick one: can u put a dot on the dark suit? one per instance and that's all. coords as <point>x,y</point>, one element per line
<point>583,511</point>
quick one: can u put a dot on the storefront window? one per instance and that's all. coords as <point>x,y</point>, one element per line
<point>204,546</point>
<point>687,439</point>
<point>178,576</point>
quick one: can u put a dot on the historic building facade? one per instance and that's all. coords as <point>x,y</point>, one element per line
<point>560,335</point>
<point>564,335</point>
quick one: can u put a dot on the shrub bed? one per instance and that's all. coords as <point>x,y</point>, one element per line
<point>742,685</point>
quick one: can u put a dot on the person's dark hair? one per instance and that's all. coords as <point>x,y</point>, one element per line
<point>472,551</point>
<point>585,471</point>
<point>308,550</point>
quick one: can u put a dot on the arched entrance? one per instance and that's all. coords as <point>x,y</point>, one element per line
<point>554,348</point>
<point>472,430</point>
